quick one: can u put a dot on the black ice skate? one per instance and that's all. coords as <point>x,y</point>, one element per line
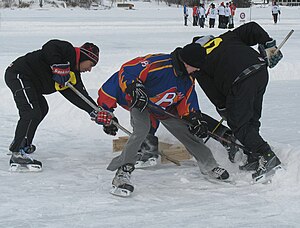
<point>267,166</point>
<point>22,162</point>
<point>148,154</point>
<point>121,185</point>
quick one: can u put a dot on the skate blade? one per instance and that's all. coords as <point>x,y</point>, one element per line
<point>14,167</point>
<point>120,191</point>
<point>141,164</point>
<point>266,178</point>
<point>217,181</point>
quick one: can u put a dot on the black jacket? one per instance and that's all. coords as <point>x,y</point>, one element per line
<point>227,57</point>
<point>35,66</point>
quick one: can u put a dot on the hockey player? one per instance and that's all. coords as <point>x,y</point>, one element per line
<point>163,80</point>
<point>234,77</point>
<point>40,72</point>
<point>109,97</point>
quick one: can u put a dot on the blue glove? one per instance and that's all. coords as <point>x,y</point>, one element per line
<point>61,73</point>
<point>270,53</point>
<point>139,96</point>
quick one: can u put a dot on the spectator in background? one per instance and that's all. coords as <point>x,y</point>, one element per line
<point>185,14</point>
<point>275,12</point>
<point>195,16</point>
<point>221,12</point>
<point>232,11</point>
<point>227,15</point>
<point>201,15</point>
<point>212,14</point>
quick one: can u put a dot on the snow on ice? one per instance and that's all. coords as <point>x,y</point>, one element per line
<point>73,189</point>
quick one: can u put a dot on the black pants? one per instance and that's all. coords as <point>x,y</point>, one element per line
<point>32,108</point>
<point>275,17</point>
<point>244,107</point>
<point>212,22</point>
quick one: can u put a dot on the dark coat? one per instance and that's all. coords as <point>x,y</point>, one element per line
<point>228,56</point>
<point>36,67</point>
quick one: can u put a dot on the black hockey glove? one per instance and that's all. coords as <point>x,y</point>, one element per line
<point>199,125</point>
<point>270,53</point>
<point>111,129</point>
<point>139,96</point>
<point>61,73</point>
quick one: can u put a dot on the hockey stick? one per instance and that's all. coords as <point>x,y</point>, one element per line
<point>96,108</point>
<point>213,135</point>
<point>220,122</point>
<point>284,41</point>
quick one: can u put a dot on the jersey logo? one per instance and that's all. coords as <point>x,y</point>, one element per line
<point>168,98</point>
<point>211,45</point>
<point>144,63</point>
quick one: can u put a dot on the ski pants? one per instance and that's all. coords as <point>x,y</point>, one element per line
<point>32,108</point>
<point>244,107</point>
<point>141,124</point>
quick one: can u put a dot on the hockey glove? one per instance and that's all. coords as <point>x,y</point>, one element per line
<point>270,53</point>
<point>222,112</point>
<point>104,118</point>
<point>199,125</point>
<point>61,73</point>
<point>111,129</point>
<point>139,96</point>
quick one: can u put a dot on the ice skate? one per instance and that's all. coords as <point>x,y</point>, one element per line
<point>146,160</point>
<point>267,165</point>
<point>219,173</point>
<point>22,162</point>
<point>121,185</point>
<point>148,154</point>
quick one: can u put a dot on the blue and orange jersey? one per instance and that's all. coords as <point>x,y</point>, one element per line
<point>163,87</point>
<point>110,94</point>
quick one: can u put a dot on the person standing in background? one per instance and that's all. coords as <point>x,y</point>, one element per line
<point>232,11</point>
<point>195,16</point>
<point>185,14</point>
<point>212,14</point>
<point>221,12</point>
<point>201,15</point>
<point>275,12</point>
